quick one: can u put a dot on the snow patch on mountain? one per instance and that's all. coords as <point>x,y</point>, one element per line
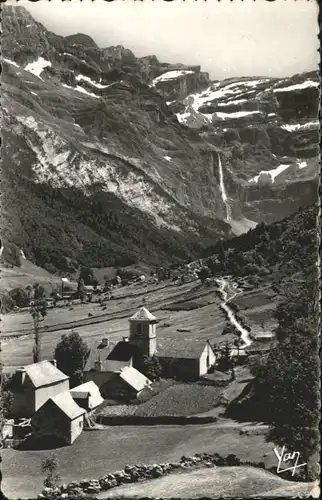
<point>237,101</point>
<point>269,175</point>
<point>301,126</point>
<point>299,86</point>
<point>89,80</point>
<point>170,75</point>
<point>11,62</point>
<point>37,67</point>
<point>237,114</point>
<point>168,158</point>
<point>81,90</point>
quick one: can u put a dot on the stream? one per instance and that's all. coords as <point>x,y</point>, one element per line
<point>244,334</point>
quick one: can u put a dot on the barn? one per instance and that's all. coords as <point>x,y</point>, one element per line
<point>87,396</point>
<point>185,359</point>
<point>60,419</point>
<point>126,383</point>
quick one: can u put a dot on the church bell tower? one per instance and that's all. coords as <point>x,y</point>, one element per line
<point>143,331</point>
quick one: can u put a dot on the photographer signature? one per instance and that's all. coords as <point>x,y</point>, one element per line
<point>286,457</point>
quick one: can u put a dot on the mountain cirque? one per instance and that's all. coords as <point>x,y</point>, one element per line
<point>112,159</point>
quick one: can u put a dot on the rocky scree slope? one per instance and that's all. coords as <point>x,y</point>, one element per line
<point>100,170</point>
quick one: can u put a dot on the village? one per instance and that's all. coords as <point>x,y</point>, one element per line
<point>133,375</point>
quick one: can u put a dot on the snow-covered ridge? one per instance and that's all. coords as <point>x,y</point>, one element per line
<point>301,126</point>
<point>37,67</point>
<point>170,75</point>
<point>304,85</point>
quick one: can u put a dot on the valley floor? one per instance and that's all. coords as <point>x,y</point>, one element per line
<point>192,308</point>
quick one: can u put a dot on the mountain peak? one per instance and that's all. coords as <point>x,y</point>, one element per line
<point>81,39</point>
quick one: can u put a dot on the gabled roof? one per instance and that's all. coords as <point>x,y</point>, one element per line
<point>180,348</point>
<point>88,390</point>
<point>67,405</point>
<point>143,315</point>
<point>44,373</point>
<point>113,358</point>
<point>134,378</point>
<point>84,390</point>
<point>95,354</point>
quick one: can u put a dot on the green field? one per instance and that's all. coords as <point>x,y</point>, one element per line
<point>205,322</point>
<point>96,453</point>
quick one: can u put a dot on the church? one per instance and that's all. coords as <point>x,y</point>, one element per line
<point>182,359</point>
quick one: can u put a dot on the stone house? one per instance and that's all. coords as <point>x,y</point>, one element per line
<point>126,383</point>
<point>59,419</point>
<point>185,359</point>
<point>34,384</point>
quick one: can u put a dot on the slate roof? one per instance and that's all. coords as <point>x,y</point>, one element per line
<point>44,373</point>
<point>113,358</point>
<point>122,351</point>
<point>88,390</point>
<point>67,405</point>
<point>143,315</point>
<point>180,348</point>
<point>134,378</point>
<point>95,354</point>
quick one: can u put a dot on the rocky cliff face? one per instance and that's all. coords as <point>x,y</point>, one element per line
<point>267,134</point>
<point>111,159</point>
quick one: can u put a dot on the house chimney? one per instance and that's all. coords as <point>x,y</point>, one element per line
<point>54,362</point>
<point>98,365</point>
<point>104,342</point>
<point>21,373</point>
<point>125,339</point>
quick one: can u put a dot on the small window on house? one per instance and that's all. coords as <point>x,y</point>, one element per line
<point>208,362</point>
<point>139,329</point>
<point>80,424</point>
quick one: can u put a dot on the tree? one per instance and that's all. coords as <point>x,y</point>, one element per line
<point>81,289</point>
<point>149,366</point>
<point>203,274</point>
<point>87,275</point>
<point>20,296</point>
<point>38,311</point>
<point>49,466</point>
<point>71,354</point>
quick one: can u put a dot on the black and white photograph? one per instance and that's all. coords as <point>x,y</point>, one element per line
<point>159,256</point>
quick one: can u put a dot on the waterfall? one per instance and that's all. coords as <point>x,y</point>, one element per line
<point>244,334</point>
<point>223,190</point>
<point>22,254</point>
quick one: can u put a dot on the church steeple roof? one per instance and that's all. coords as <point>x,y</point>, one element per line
<point>143,315</point>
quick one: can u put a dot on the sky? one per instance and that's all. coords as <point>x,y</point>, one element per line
<point>228,39</point>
